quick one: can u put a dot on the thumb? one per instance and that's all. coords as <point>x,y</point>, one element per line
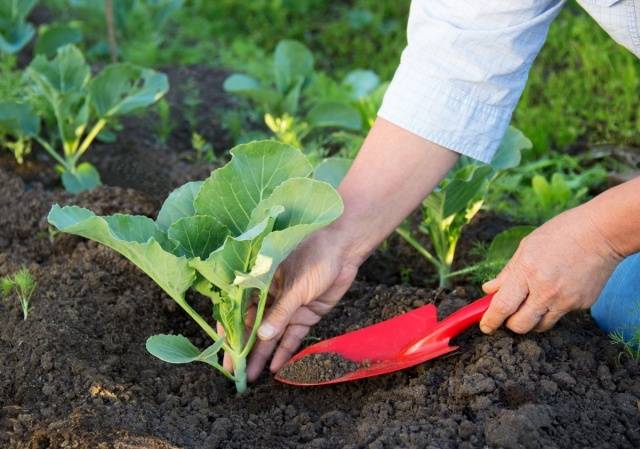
<point>280,313</point>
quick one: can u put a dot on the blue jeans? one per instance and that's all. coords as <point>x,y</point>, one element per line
<point>618,306</point>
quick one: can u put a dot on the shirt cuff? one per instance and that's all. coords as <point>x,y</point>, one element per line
<point>435,110</point>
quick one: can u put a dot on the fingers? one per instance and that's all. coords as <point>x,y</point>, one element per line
<point>289,344</point>
<point>528,316</point>
<point>549,320</point>
<point>259,356</point>
<point>282,310</point>
<point>504,303</point>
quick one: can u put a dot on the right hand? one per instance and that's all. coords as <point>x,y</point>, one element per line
<point>307,286</point>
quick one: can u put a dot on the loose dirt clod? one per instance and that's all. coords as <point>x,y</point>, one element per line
<point>320,367</point>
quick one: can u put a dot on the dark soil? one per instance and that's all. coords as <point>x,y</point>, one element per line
<point>76,373</point>
<point>319,367</point>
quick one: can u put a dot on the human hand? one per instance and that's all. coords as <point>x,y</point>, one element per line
<point>307,286</point>
<point>560,267</point>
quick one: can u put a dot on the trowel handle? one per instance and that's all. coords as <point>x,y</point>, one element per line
<point>467,316</point>
<point>460,320</point>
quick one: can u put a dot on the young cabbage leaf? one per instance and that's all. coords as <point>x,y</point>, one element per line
<point>223,237</point>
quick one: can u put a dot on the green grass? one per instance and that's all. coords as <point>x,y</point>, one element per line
<point>583,88</point>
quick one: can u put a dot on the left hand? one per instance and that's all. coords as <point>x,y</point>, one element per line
<point>560,267</point>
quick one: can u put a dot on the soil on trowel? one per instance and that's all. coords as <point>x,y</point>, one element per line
<point>320,367</point>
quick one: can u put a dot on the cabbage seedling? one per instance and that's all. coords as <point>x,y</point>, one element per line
<point>74,108</point>
<point>223,238</point>
<point>457,200</point>
<point>23,284</point>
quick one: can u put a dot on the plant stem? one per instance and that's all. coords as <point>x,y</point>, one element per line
<point>52,152</point>
<point>100,124</point>
<point>240,372</point>
<point>201,321</point>
<point>406,234</point>
<point>256,324</point>
<point>111,30</point>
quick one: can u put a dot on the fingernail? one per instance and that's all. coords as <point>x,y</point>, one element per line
<point>485,329</point>
<point>266,331</point>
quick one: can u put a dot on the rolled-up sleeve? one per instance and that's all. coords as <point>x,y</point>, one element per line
<point>464,69</point>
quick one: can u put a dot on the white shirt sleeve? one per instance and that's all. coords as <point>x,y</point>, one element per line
<point>464,69</point>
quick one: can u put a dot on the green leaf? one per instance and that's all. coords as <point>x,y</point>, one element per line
<point>66,73</point>
<point>236,254</point>
<point>15,33</point>
<point>178,349</point>
<point>122,88</point>
<point>292,61</point>
<point>308,205</point>
<point>505,244</point>
<point>332,170</point>
<point>178,204</point>
<point>84,177</point>
<point>460,192</point>
<point>255,170</point>
<point>361,82</point>
<point>239,83</point>
<point>18,119</point>
<point>56,35</point>
<point>509,152</point>
<point>335,114</point>
<point>291,101</point>
<point>16,38</point>
<point>135,237</point>
<point>197,236</point>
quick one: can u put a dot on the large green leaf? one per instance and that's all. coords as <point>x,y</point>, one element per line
<point>84,177</point>
<point>510,150</point>
<point>197,236</point>
<point>178,349</point>
<point>57,35</point>
<point>135,237</point>
<point>335,114</point>
<point>178,204</point>
<point>308,205</point>
<point>232,192</point>
<point>18,119</point>
<point>459,192</point>
<point>292,61</point>
<point>66,73</point>
<point>123,88</point>
<point>505,244</point>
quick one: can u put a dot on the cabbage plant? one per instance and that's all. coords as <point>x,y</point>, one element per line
<point>458,198</point>
<point>223,238</point>
<point>68,108</point>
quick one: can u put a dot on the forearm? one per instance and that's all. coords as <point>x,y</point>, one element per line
<point>393,172</point>
<point>616,214</point>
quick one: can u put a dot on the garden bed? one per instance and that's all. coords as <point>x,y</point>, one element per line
<point>76,373</point>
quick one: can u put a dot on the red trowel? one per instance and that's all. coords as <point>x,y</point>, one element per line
<point>395,344</point>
